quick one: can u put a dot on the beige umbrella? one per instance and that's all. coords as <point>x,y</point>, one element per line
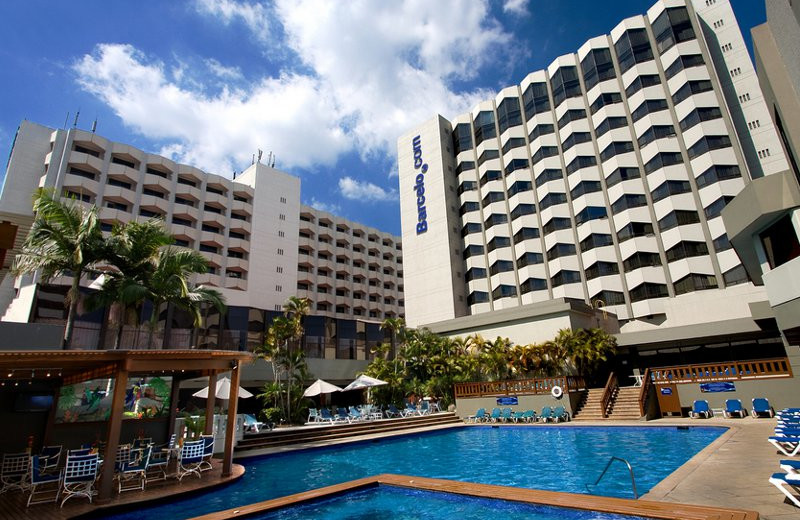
<point>223,390</point>
<point>320,387</point>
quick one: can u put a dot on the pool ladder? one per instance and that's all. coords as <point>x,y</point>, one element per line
<point>603,474</point>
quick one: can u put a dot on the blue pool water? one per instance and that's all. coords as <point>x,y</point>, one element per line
<point>552,458</point>
<point>393,502</point>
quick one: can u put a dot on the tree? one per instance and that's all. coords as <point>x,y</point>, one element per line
<point>65,240</point>
<point>397,327</point>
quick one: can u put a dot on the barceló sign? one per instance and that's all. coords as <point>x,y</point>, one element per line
<point>419,186</point>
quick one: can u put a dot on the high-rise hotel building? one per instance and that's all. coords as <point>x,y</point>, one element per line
<point>598,180</point>
<point>262,244</point>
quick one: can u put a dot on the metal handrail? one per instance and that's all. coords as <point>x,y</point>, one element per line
<point>610,461</point>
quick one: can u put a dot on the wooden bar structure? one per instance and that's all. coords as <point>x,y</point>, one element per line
<point>622,506</point>
<point>542,385</point>
<point>727,371</point>
<point>73,366</point>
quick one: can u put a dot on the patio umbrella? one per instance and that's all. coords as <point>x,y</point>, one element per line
<point>320,387</point>
<point>362,382</point>
<point>223,390</point>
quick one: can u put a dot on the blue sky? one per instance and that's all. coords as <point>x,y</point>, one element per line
<point>326,86</point>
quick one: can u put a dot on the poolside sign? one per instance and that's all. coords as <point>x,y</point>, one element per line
<point>722,386</point>
<point>507,401</point>
<point>666,391</point>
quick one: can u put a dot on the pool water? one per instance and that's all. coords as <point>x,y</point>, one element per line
<point>550,458</point>
<point>387,502</point>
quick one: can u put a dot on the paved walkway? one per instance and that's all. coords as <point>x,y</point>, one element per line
<point>733,471</point>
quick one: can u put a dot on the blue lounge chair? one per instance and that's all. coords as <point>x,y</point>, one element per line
<point>733,407</point>
<point>519,416</point>
<point>392,411</point>
<point>790,465</point>
<point>355,414</point>
<point>410,410</point>
<point>496,414</point>
<point>547,414</point>
<point>700,409</point>
<point>424,408</point>
<point>41,478</point>
<point>761,408</point>
<point>191,457</point>
<point>133,474</point>
<point>208,452</point>
<point>50,458</point>
<point>79,477</point>
<point>251,424</point>
<point>789,445</point>
<point>343,416</point>
<point>479,416</point>
<point>560,414</point>
<point>786,482</point>
<point>141,442</point>
<point>529,416</point>
<point>14,472</point>
<point>506,415</point>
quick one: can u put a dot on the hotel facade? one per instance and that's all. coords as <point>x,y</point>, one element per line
<point>590,195</point>
<point>262,244</point>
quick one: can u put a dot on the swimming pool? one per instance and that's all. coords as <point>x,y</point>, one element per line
<point>556,458</point>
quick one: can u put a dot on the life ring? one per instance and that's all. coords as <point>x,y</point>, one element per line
<point>557,392</point>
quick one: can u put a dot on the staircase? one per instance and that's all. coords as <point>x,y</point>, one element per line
<point>624,405</point>
<point>305,434</point>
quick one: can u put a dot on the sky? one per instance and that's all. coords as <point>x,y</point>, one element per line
<point>325,86</point>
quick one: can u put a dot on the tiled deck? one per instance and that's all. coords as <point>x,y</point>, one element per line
<point>12,505</point>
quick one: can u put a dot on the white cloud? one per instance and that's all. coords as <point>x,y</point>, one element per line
<point>519,7</point>
<point>325,206</point>
<point>223,72</point>
<point>254,16</point>
<point>363,190</point>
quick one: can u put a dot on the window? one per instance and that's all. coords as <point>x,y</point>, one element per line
<point>708,143</point>
<point>281,216</point>
<point>493,196</point>
<point>467,186</point>
<point>187,182</point>
<point>648,290</point>
<point>533,284</point>
<point>212,209</point>
<point>575,138</point>
<point>581,161</point>
<point>699,115</point>
<point>540,130</point>
<point>609,297</point>
<point>484,126</point>
<point>508,114</point>
<point>641,259</point>
<point>529,258</point>
<point>504,291</point>
<point>565,277</point>
<point>239,254</point>
<point>82,173</point>
<point>615,148</point>
<point>471,227</point>
<point>501,266</point>
<point>610,123</point>
<point>516,164</point>
<point>119,184</point>
<point>514,142</point>
<point>597,66</point>
<point>559,250</point>
<point>656,132</point>
<point>780,242</point>
<point>216,191</point>
<point>279,269</point>
<point>668,188</point>
<point>551,199</point>
<point>475,273</point>
<point>695,282</point>
<point>719,23</point>
<point>661,160</point>
<point>678,218</point>
<point>477,297</point>
<point>744,97</point>
<point>565,84</point>
<point>544,151</point>
<point>735,72</point>
<point>752,125</point>
<point>722,243</point>
<point>464,166</point>
<point>686,249</point>
<point>491,175</point>
<point>522,209</point>
<point>628,201</point>
<point>234,234</point>
<point>764,153</point>
<point>535,99</point>
<point>472,250</point>
<point>736,276</point>
<point>599,269</point>
<point>643,81</point>
<point>182,221</point>
<point>590,213</point>
<point>462,138</point>
<point>469,207</point>
<point>684,62</point>
<point>525,233</point>
<point>649,106</point>
<point>498,242</point>
<point>124,162</point>
<point>83,197</point>
<point>575,114</point>
<point>635,229</point>
<point>205,248</point>
<point>116,205</point>
<point>488,155</point>
<point>608,98</point>
<point>716,207</point>
<point>280,251</point>
<point>152,193</point>
<point>495,218</point>
<point>211,229</point>
<point>623,173</point>
<point>632,48</point>
<point>595,240</point>
<point>555,224</point>
<point>691,87</point>
<point>671,27</point>
<point>585,187</point>
<point>547,175</point>
<point>281,234</point>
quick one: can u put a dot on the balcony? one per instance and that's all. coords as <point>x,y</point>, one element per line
<point>187,192</point>
<point>242,207</point>
<point>216,219</point>
<point>238,264</point>
<point>213,258</point>
<point>207,279</point>
<point>114,215</point>
<point>81,184</point>
<point>239,244</point>
<point>219,200</point>
<point>123,173</point>
<point>241,226</point>
<point>157,183</point>
<point>184,211</point>
<point>184,232</point>
<point>238,284</point>
<point>119,194</point>
<point>84,159</point>
<point>212,238</point>
<point>155,204</point>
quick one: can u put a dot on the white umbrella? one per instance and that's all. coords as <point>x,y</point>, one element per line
<point>320,387</point>
<point>362,382</point>
<point>223,390</point>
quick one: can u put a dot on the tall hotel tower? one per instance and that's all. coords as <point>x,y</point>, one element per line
<point>599,180</point>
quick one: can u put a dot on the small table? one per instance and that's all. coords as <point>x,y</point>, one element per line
<point>718,412</point>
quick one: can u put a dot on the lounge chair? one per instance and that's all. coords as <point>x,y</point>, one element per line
<point>41,478</point>
<point>424,408</point>
<point>133,474</point>
<point>14,471</point>
<point>410,410</point>
<point>507,415</point>
<point>140,443</point>
<point>123,456</point>
<point>355,414</point>
<point>700,409</point>
<point>190,458</point>
<point>761,408</point>
<point>392,411</point>
<point>733,407</point>
<point>560,414</point>
<point>529,416</point>
<point>547,414</point>
<point>786,482</point>
<point>518,416</point>
<point>790,465</point>
<point>496,414</point>
<point>343,416</point>
<point>479,416</point>
<point>50,458</point>
<point>80,474</point>
<point>208,452</point>
<point>787,444</point>
<point>251,424</point>
<point>325,416</point>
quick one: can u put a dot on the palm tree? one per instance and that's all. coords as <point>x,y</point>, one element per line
<point>397,327</point>
<point>65,240</point>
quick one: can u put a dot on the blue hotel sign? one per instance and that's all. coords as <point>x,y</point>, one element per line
<point>722,386</point>
<point>419,186</point>
<point>507,401</point>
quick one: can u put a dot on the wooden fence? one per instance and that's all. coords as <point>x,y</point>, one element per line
<point>733,370</point>
<point>543,385</point>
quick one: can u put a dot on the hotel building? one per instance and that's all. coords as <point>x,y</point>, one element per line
<point>262,244</point>
<point>590,194</point>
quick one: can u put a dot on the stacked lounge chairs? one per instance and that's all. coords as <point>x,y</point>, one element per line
<point>507,415</point>
<point>787,441</point>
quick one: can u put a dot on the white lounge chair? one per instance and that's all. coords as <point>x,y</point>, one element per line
<point>790,466</point>
<point>786,482</point>
<point>788,445</point>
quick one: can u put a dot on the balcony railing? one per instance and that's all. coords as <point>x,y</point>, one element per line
<point>543,385</point>
<point>733,370</point>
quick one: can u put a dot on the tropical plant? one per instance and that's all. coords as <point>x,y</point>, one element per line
<point>397,328</point>
<point>65,239</point>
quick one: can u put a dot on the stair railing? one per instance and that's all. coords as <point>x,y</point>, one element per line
<point>603,474</point>
<point>608,392</point>
<point>644,391</point>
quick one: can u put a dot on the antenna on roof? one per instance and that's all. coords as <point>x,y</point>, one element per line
<point>253,160</point>
<point>260,153</point>
<point>273,160</point>
<point>234,174</point>
<point>77,114</point>
<point>94,125</point>
<point>66,120</point>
